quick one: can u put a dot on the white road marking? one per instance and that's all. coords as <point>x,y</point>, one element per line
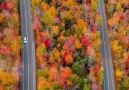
<point>104,47</point>
<point>32,47</point>
<point>111,65</point>
<point>27,45</point>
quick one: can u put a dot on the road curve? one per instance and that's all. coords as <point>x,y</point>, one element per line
<point>28,51</point>
<point>108,80</point>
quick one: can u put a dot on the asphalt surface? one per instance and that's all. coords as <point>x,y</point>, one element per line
<point>108,80</point>
<point>28,52</point>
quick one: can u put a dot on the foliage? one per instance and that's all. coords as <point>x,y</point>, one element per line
<point>94,4</point>
<point>56,86</point>
<point>125,84</point>
<point>47,18</point>
<point>1,17</point>
<point>74,78</point>
<point>76,68</point>
<point>86,87</point>
<point>65,32</point>
<point>7,78</point>
<point>42,73</point>
<point>10,45</point>
<point>1,1</point>
<point>111,8</point>
<point>118,33</point>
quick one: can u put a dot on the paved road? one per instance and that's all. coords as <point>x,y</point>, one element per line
<point>108,82</point>
<point>28,53</point>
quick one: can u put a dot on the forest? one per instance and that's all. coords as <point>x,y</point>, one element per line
<point>66,56</point>
<point>67,44</point>
<point>10,45</point>
<point>118,29</point>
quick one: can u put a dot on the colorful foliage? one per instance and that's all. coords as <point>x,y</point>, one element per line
<point>117,13</point>
<point>65,32</point>
<point>10,45</point>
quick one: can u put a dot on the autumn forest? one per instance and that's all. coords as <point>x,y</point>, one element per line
<point>67,43</point>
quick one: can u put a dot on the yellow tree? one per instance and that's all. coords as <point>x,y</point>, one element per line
<point>119,7</point>
<point>7,79</point>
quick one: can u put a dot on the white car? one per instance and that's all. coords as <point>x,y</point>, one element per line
<point>25,40</point>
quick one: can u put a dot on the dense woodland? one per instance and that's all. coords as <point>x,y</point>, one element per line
<point>67,42</point>
<point>65,33</point>
<point>10,45</point>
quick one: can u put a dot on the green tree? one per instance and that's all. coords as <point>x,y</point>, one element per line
<point>42,73</point>
<point>1,1</point>
<point>47,1</point>
<point>111,8</point>
<point>0,9</point>
<point>56,86</point>
<point>125,84</point>
<point>86,87</point>
<point>74,78</point>
<point>76,68</point>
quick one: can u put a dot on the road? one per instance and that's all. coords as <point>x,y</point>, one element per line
<point>28,52</point>
<point>108,81</point>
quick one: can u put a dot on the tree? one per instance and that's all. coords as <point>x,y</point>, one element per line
<point>112,1</point>
<point>119,7</point>
<point>100,75</point>
<point>1,9</point>
<point>65,72</point>
<point>7,78</point>
<point>119,73</point>
<point>74,78</point>
<point>78,44</point>
<point>99,19</point>
<point>4,49</point>
<point>116,46</point>
<point>55,30</point>
<point>111,8</point>
<point>35,2</point>
<point>1,17</point>
<point>125,84</point>
<point>56,86</point>
<point>36,24</point>
<point>47,18</point>
<point>76,68</point>
<point>1,1</point>
<point>43,84</point>
<point>85,40</point>
<point>47,1</point>
<point>43,72</point>
<point>41,49</point>
<point>10,5</point>
<point>86,87</point>
<point>94,4</point>
<point>16,47</point>
<point>125,2</point>
<point>44,6</point>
